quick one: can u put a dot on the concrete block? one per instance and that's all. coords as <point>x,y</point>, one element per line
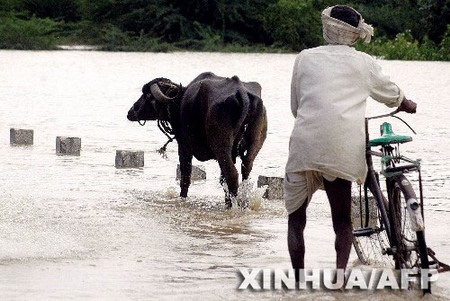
<point>68,145</point>
<point>198,173</point>
<point>262,180</point>
<point>129,159</point>
<point>21,137</point>
<point>274,185</point>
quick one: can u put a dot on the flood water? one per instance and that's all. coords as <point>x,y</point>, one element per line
<point>76,228</point>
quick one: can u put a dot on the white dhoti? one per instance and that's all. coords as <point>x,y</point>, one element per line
<point>300,186</point>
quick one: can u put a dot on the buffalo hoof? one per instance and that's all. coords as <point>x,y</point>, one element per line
<point>228,204</point>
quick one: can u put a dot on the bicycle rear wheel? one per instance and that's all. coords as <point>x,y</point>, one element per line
<point>370,239</point>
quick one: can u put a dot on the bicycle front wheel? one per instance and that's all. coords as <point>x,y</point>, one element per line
<point>407,227</point>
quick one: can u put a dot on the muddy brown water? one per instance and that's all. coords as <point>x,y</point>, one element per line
<point>75,228</point>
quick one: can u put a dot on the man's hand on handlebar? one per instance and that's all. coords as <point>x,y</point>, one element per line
<point>407,106</point>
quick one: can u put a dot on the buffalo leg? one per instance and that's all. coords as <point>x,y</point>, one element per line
<point>185,169</point>
<point>254,139</point>
<point>222,179</point>
<point>230,174</point>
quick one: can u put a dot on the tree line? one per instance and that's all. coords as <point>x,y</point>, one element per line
<point>405,29</point>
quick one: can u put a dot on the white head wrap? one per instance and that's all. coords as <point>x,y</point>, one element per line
<point>339,32</point>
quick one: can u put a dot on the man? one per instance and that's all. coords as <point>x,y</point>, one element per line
<point>330,85</point>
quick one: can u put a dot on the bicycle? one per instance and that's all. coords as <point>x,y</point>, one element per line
<point>382,230</point>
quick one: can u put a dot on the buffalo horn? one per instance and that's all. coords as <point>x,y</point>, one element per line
<point>159,95</point>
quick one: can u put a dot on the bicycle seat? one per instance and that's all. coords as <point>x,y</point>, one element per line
<point>388,136</point>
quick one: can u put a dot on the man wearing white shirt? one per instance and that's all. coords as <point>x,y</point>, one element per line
<point>329,89</point>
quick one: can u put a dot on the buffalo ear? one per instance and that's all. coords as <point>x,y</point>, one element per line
<point>145,89</point>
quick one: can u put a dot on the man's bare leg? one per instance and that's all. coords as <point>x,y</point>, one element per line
<point>339,196</point>
<point>296,242</point>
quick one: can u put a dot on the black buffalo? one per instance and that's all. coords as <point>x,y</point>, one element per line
<point>212,118</point>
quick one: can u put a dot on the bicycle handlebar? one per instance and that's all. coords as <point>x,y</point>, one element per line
<point>392,114</point>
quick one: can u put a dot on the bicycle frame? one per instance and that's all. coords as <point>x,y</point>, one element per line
<point>389,157</point>
<point>372,183</point>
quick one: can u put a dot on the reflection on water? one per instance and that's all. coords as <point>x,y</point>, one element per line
<point>77,228</point>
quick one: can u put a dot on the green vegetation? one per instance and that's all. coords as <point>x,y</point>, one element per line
<point>405,29</point>
<point>405,47</point>
<point>33,33</point>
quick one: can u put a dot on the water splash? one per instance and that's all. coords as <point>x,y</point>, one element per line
<point>248,196</point>
<point>251,196</point>
<point>171,192</point>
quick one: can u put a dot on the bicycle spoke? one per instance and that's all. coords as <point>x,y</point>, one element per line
<point>369,248</point>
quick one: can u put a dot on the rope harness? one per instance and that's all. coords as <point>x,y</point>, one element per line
<point>167,130</point>
<point>165,127</point>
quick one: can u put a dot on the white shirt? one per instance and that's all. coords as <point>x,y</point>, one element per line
<point>330,86</point>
